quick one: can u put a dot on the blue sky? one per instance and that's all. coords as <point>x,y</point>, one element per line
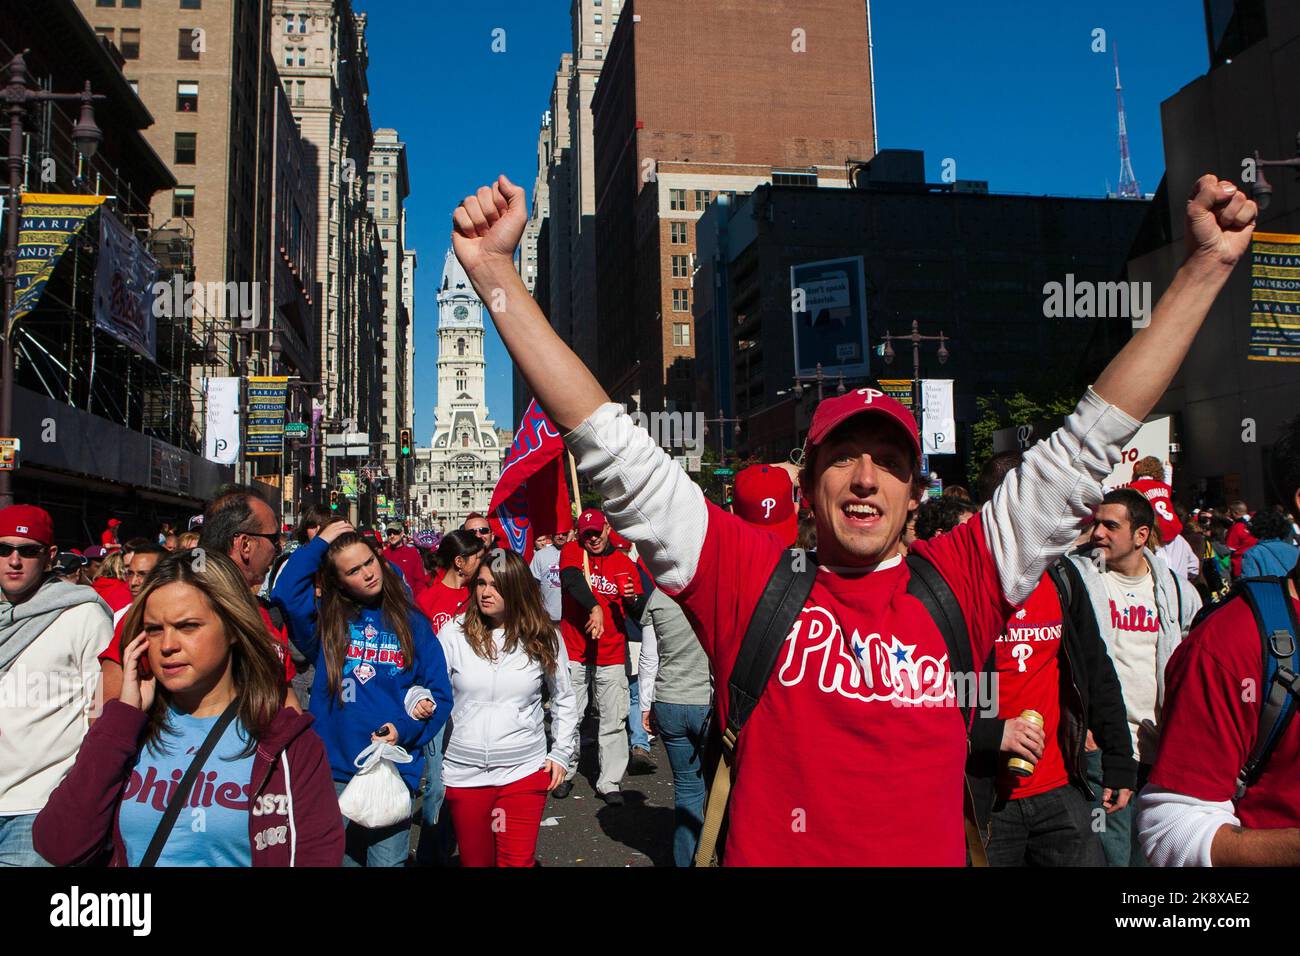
<point>1009,90</point>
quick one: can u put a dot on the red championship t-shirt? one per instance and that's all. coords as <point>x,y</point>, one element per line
<point>855,754</point>
<point>441,603</point>
<point>279,635</point>
<point>1027,660</point>
<point>608,571</point>
<point>1210,720</point>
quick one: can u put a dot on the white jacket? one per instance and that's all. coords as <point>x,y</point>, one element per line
<point>498,734</point>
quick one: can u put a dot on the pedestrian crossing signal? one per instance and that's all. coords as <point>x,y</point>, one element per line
<point>334,501</point>
<point>404,442</point>
<point>726,495</point>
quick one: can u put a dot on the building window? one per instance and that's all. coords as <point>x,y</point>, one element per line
<point>599,36</point>
<point>599,19</point>
<point>105,3</point>
<point>679,233</point>
<point>677,199</point>
<point>682,334</point>
<point>681,267</point>
<point>681,300</point>
<point>793,178</point>
<point>600,54</point>
<point>191,4</point>
<point>186,148</point>
<point>130,4</point>
<point>187,43</point>
<point>385,192</point>
<point>130,45</point>
<point>187,97</point>
<point>183,202</point>
<point>702,198</point>
<point>104,33</point>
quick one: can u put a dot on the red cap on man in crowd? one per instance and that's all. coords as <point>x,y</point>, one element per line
<point>833,412</point>
<point>113,522</point>
<point>27,521</point>
<point>590,520</point>
<point>764,496</point>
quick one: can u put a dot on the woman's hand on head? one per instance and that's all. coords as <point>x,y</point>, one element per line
<point>137,690</point>
<point>332,531</point>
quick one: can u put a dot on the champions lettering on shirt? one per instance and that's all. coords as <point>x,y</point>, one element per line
<point>368,647</point>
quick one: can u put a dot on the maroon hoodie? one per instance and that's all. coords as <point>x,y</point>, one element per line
<point>293,817</point>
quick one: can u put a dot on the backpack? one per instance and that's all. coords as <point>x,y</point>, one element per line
<point>778,607</point>
<point>1274,614</point>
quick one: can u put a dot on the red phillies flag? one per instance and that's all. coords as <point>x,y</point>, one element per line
<point>531,494</point>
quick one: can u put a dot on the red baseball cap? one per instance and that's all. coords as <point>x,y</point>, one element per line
<point>590,520</point>
<point>860,401</point>
<point>27,521</point>
<point>765,496</point>
<point>113,522</point>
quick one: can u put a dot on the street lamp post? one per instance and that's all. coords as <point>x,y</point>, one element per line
<point>17,96</point>
<point>1262,190</point>
<point>916,338</point>
<point>818,379</point>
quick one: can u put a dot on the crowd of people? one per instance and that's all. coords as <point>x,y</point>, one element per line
<point>1068,674</point>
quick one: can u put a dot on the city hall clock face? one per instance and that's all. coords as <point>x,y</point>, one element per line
<point>461,313</point>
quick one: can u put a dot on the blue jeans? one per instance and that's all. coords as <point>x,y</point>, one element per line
<point>437,838</point>
<point>16,842</point>
<point>682,728</point>
<point>639,737</point>
<point>1119,838</point>
<point>385,846</point>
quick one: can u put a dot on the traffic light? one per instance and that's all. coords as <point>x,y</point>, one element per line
<point>334,500</point>
<point>404,443</point>
<point>726,496</point>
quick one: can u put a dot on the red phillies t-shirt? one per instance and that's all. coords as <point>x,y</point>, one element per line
<point>1209,722</point>
<point>1160,495</point>
<point>279,635</point>
<point>1027,660</point>
<point>1240,540</point>
<point>116,594</point>
<point>856,752</point>
<point>607,573</point>
<point>441,603</point>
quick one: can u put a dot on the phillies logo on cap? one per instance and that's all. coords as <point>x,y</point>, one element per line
<point>768,504</point>
<point>871,393</point>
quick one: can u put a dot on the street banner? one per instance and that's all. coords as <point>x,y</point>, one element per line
<point>531,492</point>
<point>899,389</point>
<point>221,434</point>
<point>828,306</point>
<point>45,228</point>
<point>266,400</point>
<point>938,423</point>
<point>124,278</point>
<point>1275,298</point>
<point>348,484</point>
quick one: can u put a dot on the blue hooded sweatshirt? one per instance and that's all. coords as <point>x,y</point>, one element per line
<point>374,683</point>
<point>1271,558</point>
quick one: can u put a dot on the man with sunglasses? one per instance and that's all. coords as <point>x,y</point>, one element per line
<point>50,632</point>
<point>477,524</point>
<point>400,553</point>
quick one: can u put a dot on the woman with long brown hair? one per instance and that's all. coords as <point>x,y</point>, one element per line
<point>369,646</point>
<point>500,654</point>
<point>201,703</point>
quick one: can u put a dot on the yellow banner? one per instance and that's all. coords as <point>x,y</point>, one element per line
<point>1275,298</point>
<point>46,226</point>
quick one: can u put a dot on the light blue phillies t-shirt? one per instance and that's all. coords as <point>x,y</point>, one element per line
<point>212,829</point>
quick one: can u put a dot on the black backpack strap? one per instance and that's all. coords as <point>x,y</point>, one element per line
<point>1270,604</point>
<point>186,785</point>
<point>928,586</point>
<point>777,609</point>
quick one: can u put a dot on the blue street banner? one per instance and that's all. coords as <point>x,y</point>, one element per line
<point>266,400</point>
<point>124,277</point>
<point>1274,298</point>
<point>45,228</point>
<point>828,305</point>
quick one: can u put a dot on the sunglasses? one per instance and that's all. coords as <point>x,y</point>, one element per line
<point>273,537</point>
<point>24,550</point>
<point>479,531</point>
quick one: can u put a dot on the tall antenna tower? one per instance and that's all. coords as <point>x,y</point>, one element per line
<point>1128,184</point>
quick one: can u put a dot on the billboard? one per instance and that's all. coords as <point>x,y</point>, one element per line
<point>828,307</point>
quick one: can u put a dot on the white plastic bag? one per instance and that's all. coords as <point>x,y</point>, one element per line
<point>377,796</point>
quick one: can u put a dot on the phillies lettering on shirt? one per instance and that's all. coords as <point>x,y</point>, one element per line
<point>1027,660</point>
<point>441,603</point>
<point>864,676</point>
<point>208,789</point>
<point>1134,617</point>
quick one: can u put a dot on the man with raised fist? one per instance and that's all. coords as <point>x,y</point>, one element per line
<point>855,703</point>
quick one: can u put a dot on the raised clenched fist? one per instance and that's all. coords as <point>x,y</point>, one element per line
<point>1220,221</point>
<point>487,226</point>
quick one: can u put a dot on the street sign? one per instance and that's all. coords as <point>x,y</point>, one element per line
<point>724,472</point>
<point>296,428</point>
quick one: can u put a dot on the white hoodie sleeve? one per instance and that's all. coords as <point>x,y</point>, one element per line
<point>1035,515</point>
<point>649,665</point>
<point>1177,830</point>
<point>564,709</point>
<point>649,498</point>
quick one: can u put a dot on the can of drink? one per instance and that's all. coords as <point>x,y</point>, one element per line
<point>1018,766</point>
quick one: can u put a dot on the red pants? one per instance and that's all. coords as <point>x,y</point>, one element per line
<point>497,826</point>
